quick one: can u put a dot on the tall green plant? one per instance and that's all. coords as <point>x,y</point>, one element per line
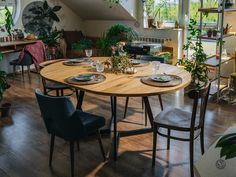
<point>195,63</point>
<point>114,35</point>
<point>8,20</point>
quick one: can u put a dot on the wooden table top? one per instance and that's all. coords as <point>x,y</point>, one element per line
<point>18,42</point>
<point>115,84</point>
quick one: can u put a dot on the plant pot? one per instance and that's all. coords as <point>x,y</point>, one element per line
<point>5,109</point>
<point>151,23</point>
<point>214,33</point>
<point>209,33</point>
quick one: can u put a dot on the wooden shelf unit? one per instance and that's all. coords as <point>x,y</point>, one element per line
<point>216,38</point>
<point>215,10</point>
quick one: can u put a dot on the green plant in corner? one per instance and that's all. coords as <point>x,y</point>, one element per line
<point>82,44</point>
<point>195,63</point>
<point>8,20</point>
<point>227,143</point>
<point>3,81</point>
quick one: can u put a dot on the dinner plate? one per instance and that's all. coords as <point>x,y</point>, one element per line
<point>161,78</point>
<point>139,63</point>
<point>75,60</point>
<point>84,77</point>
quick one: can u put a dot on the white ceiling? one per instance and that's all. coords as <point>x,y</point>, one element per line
<point>97,10</point>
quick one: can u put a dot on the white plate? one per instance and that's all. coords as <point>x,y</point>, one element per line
<point>84,77</point>
<point>75,60</point>
<point>161,78</point>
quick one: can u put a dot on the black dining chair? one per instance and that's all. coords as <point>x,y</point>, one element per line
<point>64,121</point>
<point>179,120</point>
<point>26,61</point>
<point>148,58</point>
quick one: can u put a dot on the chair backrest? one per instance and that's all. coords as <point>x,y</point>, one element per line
<point>27,59</point>
<point>56,113</point>
<point>152,58</point>
<point>201,94</point>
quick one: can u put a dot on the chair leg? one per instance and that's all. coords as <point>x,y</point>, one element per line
<point>22,71</point>
<point>126,106</point>
<point>154,145</point>
<point>78,146</point>
<point>101,145</point>
<point>28,71</point>
<point>51,149</point>
<point>160,100</point>
<point>145,116</point>
<point>57,92</point>
<point>168,139</point>
<point>72,157</point>
<point>202,141</point>
<point>14,70</point>
<point>191,148</point>
<point>62,92</point>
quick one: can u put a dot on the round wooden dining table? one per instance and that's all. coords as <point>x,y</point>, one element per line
<point>117,85</point>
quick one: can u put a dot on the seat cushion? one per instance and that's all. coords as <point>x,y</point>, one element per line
<point>54,85</point>
<point>174,118</point>
<point>91,122</point>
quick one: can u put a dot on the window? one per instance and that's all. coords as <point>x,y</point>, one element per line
<point>209,19</point>
<point>161,10</point>
<point>13,6</point>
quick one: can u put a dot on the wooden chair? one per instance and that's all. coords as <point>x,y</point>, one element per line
<point>179,120</point>
<point>64,121</point>
<point>149,58</point>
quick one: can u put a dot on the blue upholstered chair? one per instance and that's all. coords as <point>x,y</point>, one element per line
<point>63,120</point>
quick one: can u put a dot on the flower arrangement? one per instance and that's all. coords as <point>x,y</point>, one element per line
<point>119,61</point>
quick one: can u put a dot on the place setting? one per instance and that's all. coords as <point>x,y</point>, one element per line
<point>86,79</point>
<point>75,62</point>
<point>162,79</point>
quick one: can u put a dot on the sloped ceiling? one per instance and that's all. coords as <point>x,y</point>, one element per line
<point>97,10</point>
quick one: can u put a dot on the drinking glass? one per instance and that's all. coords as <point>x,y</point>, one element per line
<point>100,67</point>
<point>155,67</point>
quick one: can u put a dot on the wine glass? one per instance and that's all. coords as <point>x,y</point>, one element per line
<point>100,67</point>
<point>89,53</point>
<point>155,67</point>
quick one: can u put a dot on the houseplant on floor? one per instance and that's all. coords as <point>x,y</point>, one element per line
<point>3,86</point>
<point>195,63</point>
<point>113,35</point>
<point>79,47</point>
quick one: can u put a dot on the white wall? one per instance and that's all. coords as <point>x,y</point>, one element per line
<point>131,6</point>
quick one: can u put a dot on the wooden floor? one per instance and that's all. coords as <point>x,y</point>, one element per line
<point>24,145</point>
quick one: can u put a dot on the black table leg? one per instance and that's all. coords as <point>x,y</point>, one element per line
<point>80,98</point>
<point>148,110</point>
<point>114,120</point>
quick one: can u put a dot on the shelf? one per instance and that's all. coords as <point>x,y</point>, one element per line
<point>214,85</point>
<point>215,10</point>
<point>214,38</point>
<point>214,62</point>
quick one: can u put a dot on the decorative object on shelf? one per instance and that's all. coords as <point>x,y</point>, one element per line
<point>119,62</point>
<point>9,21</point>
<point>229,3</point>
<point>209,32</point>
<point>114,35</point>
<point>38,17</point>
<point>195,63</point>
<point>113,3</point>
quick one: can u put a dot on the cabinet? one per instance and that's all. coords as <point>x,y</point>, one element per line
<point>217,60</point>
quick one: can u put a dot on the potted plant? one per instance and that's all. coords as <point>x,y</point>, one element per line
<point>9,21</point>
<point>112,36</point>
<point>209,32</point>
<point>195,63</point>
<point>79,47</point>
<point>52,41</point>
